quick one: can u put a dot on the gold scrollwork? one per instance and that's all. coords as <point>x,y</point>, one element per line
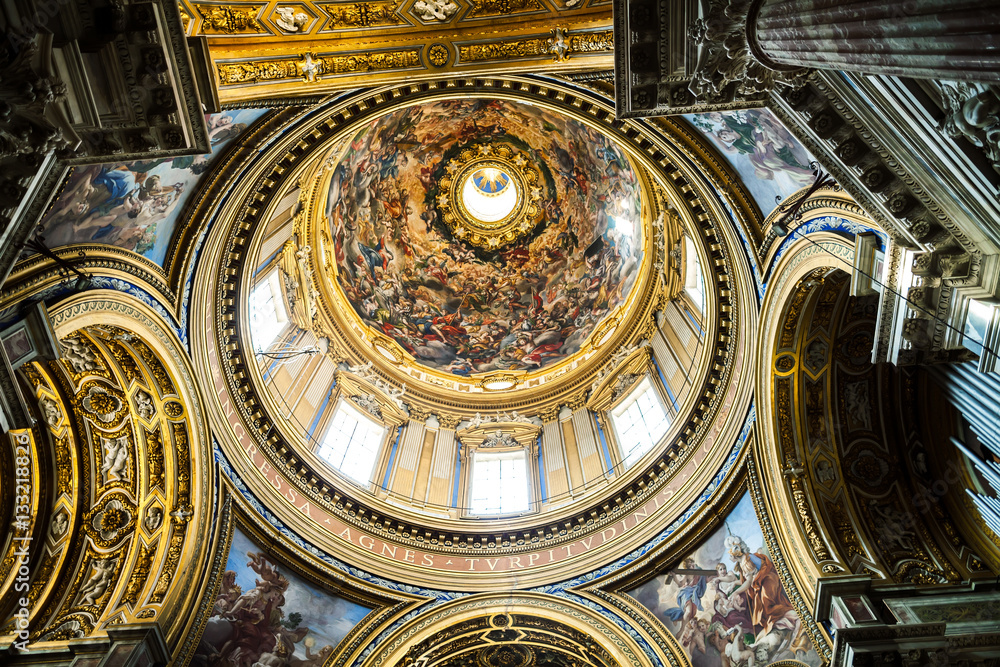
<point>140,574</point>
<point>363,15</point>
<point>313,68</point>
<point>483,8</point>
<point>561,45</point>
<point>154,455</point>
<point>230,20</point>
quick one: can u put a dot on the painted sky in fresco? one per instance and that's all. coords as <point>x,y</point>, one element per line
<point>266,614</point>
<point>136,205</point>
<point>714,620</point>
<point>767,157</point>
<point>464,310</point>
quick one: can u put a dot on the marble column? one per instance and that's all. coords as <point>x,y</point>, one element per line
<point>926,39</point>
<point>974,394</point>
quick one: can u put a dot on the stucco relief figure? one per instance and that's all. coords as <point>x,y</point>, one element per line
<point>858,407</point>
<point>50,411</point>
<point>98,582</point>
<point>825,472</point>
<point>78,354</point>
<point>154,518</point>
<point>892,528</point>
<point>431,10</point>
<point>144,404</point>
<point>291,21</point>
<point>60,522</point>
<point>116,457</point>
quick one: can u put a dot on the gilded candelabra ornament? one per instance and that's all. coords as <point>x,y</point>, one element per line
<point>229,20</point>
<point>363,15</point>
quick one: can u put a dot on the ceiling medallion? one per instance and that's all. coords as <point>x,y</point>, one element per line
<point>491,196</point>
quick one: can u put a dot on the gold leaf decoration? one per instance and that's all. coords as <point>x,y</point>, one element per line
<point>363,15</point>
<point>312,68</point>
<point>229,20</point>
<point>483,8</point>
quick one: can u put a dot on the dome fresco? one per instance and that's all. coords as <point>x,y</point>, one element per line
<point>484,234</point>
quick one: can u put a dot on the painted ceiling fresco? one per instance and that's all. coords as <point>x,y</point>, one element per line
<point>462,308</point>
<point>136,205</point>
<point>769,160</point>
<point>264,615</point>
<point>725,603</point>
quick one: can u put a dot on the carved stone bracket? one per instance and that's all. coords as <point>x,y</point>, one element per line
<point>674,58</point>
<point>972,113</point>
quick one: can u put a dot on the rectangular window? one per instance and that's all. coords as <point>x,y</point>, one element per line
<point>268,316</point>
<point>352,443</point>
<point>640,421</point>
<point>499,483</point>
<point>693,284</point>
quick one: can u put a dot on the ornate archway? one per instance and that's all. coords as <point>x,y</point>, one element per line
<point>122,483</point>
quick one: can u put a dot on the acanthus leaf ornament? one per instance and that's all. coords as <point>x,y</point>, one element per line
<point>727,69</point>
<point>714,66</point>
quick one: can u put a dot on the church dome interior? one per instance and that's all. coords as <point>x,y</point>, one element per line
<point>480,333</point>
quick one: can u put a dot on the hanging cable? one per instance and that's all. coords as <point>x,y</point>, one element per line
<point>913,304</point>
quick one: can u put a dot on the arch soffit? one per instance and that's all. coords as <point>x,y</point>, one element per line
<point>153,513</point>
<point>561,616</point>
<point>822,253</point>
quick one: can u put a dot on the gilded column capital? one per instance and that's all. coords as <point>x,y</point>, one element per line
<point>417,413</point>
<point>549,414</point>
<point>449,421</point>
<point>578,401</point>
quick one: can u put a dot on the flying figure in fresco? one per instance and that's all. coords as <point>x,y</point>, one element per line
<point>464,309</point>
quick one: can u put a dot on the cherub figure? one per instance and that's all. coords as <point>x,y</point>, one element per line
<point>98,583</point>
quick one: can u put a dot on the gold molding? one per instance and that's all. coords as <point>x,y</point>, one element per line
<point>500,434</point>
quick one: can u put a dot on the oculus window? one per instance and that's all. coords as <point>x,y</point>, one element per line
<point>352,443</point>
<point>640,421</point>
<point>267,312</point>
<point>489,194</point>
<point>499,482</point>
